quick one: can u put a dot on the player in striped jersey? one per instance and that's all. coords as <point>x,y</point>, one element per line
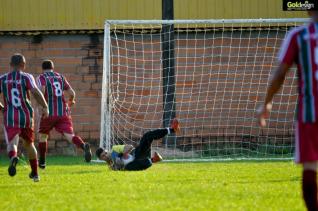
<point>18,113</point>
<point>301,47</point>
<point>53,85</point>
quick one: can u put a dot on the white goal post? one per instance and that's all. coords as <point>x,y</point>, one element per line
<point>218,71</point>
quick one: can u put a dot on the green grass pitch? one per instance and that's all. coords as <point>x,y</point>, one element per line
<point>70,184</point>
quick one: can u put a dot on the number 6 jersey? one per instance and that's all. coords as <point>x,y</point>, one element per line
<point>15,86</point>
<point>55,85</point>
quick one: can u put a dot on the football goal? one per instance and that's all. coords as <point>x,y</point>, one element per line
<point>210,74</point>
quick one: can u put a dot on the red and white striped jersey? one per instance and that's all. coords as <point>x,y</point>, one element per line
<point>55,84</point>
<point>15,88</point>
<point>301,46</point>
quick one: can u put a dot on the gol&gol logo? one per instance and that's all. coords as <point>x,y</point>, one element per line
<point>300,6</point>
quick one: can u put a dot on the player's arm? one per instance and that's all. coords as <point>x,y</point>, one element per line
<point>275,84</point>
<point>71,93</point>
<point>37,94</point>
<point>1,107</point>
<point>109,160</point>
<point>118,164</point>
<point>287,56</point>
<point>127,150</point>
<point>42,89</point>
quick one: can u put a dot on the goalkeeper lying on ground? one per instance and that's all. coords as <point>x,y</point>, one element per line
<point>126,157</point>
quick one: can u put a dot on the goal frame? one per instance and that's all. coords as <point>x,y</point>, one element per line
<point>106,103</point>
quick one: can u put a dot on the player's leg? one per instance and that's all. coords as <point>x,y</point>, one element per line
<point>28,143</point>
<point>42,149</point>
<point>143,150</point>
<point>65,126</point>
<point>12,149</point>
<point>156,157</point>
<point>76,140</point>
<point>309,185</point>
<point>46,125</point>
<point>138,165</point>
<point>79,143</point>
<point>12,141</point>
<point>32,155</point>
<point>306,153</point>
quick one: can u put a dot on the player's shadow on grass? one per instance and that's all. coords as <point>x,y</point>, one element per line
<point>51,160</point>
<point>66,160</point>
<point>70,172</point>
<point>85,172</point>
<point>293,179</point>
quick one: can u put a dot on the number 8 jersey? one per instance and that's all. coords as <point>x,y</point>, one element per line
<point>55,85</point>
<point>15,86</point>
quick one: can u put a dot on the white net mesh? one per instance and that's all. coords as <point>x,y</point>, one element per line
<point>222,70</point>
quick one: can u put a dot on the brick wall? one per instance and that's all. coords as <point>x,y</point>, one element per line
<point>79,58</point>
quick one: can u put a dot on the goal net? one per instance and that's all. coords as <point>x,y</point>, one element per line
<point>210,74</point>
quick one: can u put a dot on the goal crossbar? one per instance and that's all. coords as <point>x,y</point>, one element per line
<point>209,21</point>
